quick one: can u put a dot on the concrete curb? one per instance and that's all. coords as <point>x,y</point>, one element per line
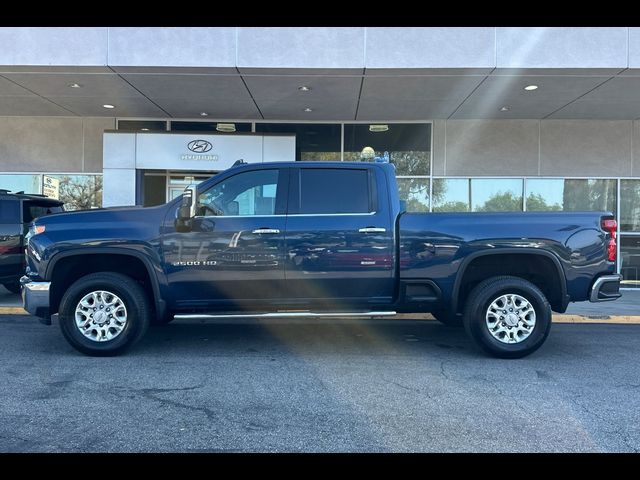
<point>12,311</point>
<point>557,318</point>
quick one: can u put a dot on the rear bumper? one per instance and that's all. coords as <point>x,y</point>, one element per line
<point>606,288</point>
<point>35,297</point>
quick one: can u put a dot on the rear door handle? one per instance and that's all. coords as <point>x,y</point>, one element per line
<point>372,230</point>
<point>266,230</point>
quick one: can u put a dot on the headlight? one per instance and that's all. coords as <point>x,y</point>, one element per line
<point>37,229</point>
<point>33,231</point>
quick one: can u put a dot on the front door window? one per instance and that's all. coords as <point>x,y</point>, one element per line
<point>246,194</point>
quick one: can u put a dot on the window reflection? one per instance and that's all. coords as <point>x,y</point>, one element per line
<point>415,192</point>
<point>630,205</point>
<point>248,193</point>
<point>213,127</point>
<point>496,194</point>
<point>314,141</point>
<point>450,195</point>
<point>544,195</point>
<point>571,195</point>
<point>142,125</point>
<point>21,183</point>
<point>590,195</point>
<point>407,145</point>
<point>80,192</point>
<point>630,261</point>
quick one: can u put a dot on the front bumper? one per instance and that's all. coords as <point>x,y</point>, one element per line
<point>606,288</point>
<point>35,298</point>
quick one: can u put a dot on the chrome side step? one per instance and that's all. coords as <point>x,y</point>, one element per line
<point>286,315</point>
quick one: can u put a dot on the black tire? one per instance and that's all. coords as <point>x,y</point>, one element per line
<point>13,287</point>
<point>448,318</point>
<point>134,299</point>
<point>478,303</point>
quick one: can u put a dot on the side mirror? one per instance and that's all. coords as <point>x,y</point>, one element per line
<point>187,210</point>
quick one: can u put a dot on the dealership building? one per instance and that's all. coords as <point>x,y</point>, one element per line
<point>474,119</point>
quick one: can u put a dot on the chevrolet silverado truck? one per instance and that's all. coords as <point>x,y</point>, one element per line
<point>313,239</point>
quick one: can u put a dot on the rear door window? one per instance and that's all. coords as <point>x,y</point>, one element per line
<point>334,190</point>
<point>32,210</point>
<point>9,211</point>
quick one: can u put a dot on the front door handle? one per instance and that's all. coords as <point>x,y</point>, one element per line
<point>372,230</point>
<point>266,230</point>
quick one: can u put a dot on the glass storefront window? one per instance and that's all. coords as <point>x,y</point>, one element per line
<point>544,194</point>
<point>629,205</point>
<point>406,145</point>
<point>213,127</point>
<point>415,193</point>
<point>142,125</point>
<point>21,183</point>
<point>80,192</point>
<point>630,261</point>
<point>451,195</point>
<point>314,141</point>
<point>496,194</point>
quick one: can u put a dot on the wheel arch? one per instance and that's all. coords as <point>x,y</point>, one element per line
<point>461,289</point>
<point>121,253</point>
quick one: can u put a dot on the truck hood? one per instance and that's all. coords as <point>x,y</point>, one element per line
<point>111,214</point>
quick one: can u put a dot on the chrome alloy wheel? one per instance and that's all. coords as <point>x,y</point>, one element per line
<point>510,318</point>
<point>101,316</point>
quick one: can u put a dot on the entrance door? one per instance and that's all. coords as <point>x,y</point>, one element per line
<point>234,255</point>
<point>177,182</point>
<point>174,192</point>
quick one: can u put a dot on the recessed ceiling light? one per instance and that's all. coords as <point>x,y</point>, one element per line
<point>106,105</point>
<point>304,88</point>
<point>204,114</point>
<point>144,129</point>
<point>531,87</point>
<point>506,108</point>
<point>308,109</point>
<point>378,128</point>
<point>75,85</point>
<point>226,127</point>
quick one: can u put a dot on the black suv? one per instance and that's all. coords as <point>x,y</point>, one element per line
<point>17,211</point>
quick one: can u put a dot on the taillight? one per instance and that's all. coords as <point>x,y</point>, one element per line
<point>611,226</point>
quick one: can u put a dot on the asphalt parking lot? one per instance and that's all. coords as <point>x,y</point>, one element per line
<point>319,386</point>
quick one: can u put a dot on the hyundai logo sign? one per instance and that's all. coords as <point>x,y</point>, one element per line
<point>199,146</point>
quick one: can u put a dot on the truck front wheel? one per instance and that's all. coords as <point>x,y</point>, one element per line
<point>508,317</point>
<point>103,314</point>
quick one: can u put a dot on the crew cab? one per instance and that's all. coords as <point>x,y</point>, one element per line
<point>313,239</point>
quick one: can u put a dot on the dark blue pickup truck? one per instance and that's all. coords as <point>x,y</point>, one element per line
<point>313,239</point>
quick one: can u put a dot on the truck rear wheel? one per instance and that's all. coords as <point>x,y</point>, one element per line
<point>104,314</point>
<point>508,317</point>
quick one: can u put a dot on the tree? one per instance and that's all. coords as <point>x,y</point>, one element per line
<point>453,206</point>
<point>537,203</point>
<point>81,192</point>
<point>589,195</point>
<point>415,192</point>
<point>502,202</point>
